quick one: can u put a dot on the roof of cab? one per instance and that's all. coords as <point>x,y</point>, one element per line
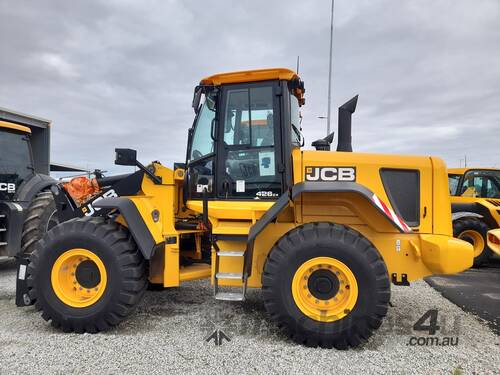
<point>463,170</point>
<point>10,125</point>
<point>250,76</point>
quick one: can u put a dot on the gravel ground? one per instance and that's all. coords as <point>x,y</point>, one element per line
<point>167,334</point>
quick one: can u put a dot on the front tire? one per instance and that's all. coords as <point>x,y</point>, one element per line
<point>326,285</point>
<point>86,275</point>
<point>474,231</point>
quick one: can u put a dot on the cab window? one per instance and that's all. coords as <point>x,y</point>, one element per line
<point>201,157</point>
<point>481,184</point>
<point>15,160</point>
<point>295,120</point>
<point>203,143</point>
<point>249,117</point>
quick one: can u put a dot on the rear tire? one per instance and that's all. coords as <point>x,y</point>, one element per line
<point>475,232</point>
<point>111,270</point>
<point>332,247</point>
<point>41,216</point>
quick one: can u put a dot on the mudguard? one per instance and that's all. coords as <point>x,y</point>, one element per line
<point>465,214</point>
<point>318,187</point>
<point>30,188</point>
<point>135,223</point>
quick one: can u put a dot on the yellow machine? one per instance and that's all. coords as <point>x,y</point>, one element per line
<point>322,233</point>
<point>475,202</point>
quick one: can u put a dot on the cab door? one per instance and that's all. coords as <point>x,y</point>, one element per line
<point>201,153</point>
<point>250,165</point>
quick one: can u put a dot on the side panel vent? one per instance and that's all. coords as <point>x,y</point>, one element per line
<point>402,187</point>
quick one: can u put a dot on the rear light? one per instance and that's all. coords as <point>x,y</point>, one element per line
<point>493,239</point>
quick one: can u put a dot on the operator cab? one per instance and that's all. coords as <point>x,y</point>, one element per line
<point>242,137</point>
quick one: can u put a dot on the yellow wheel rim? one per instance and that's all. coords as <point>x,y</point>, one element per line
<point>475,238</point>
<point>78,278</point>
<point>324,289</point>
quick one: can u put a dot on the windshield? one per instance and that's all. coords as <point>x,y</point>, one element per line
<point>481,184</point>
<point>202,143</point>
<point>15,159</point>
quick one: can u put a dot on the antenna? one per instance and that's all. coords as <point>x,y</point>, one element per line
<point>298,62</point>
<point>330,74</point>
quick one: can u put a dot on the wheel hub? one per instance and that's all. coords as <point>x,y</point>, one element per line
<point>78,278</point>
<point>87,274</point>
<point>323,284</point>
<point>325,289</point>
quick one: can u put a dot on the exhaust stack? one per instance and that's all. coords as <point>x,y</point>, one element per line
<point>344,131</point>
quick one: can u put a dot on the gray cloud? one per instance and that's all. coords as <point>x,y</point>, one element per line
<point>121,73</point>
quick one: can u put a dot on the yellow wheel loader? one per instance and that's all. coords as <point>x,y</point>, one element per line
<point>475,204</point>
<point>322,233</point>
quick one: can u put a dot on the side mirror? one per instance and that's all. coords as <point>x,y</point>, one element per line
<point>196,99</point>
<point>125,156</point>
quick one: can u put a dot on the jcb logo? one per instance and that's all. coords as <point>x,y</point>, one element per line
<point>330,174</point>
<point>89,210</point>
<point>8,187</point>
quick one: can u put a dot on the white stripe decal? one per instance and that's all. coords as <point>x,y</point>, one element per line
<point>395,218</point>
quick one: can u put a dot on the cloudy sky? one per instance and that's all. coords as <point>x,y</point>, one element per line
<point>121,73</point>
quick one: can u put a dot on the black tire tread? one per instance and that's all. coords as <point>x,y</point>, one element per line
<point>132,269</point>
<point>33,227</point>
<point>309,232</point>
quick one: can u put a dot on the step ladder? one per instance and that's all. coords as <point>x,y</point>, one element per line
<point>226,295</point>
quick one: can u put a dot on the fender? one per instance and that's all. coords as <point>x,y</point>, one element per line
<point>461,215</point>
<point>475,208</point>
<point>33,186</point>
<point>318,187</point>
<point>136,225</point>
